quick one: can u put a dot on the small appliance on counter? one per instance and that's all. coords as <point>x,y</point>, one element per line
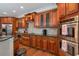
<point>44,32</point>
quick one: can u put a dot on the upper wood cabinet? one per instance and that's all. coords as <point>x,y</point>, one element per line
<point>66,9</point>
<point>7,20</point>
<point>71,8</point>
<point>53,18</point>
<point>61,9</point>
<point>46,19</point>
<point>37,20</point>
<point>15,26</point>
<point>23,22</point>
<point>30,16</point>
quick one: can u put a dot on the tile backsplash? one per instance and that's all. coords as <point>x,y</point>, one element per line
<point>39,31</point>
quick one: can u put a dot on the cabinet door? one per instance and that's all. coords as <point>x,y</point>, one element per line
<point>33,41</point>
<point>23,22</point>
<point>9,20</point>
<point>53,18</point>
<point>5,20</point>
<point>38,42</point>
<point>45,43</point>
<point>62,9</point>
<point>17,24</point>
<point>16,46</point>
<point>42,21</point>
<point>25,41</point>
<point>37,20</point>
<point>52,45</point>
<point>47,17</point>
<point>71,8</point>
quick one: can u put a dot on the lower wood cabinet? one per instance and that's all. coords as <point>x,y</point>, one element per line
<point>33,41</point>
<point>25,41</point>
<point>52,45</point>
<point>16,45</point>
<point>38,42</point>
<point>45,43</point>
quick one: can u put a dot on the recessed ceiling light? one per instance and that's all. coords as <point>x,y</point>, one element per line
<point>14,11</point>
<point>4,12</point>
<point>21,7</point>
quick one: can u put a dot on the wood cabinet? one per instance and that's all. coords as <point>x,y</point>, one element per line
<point>62,9</point>
<point>52,45</point>
<point>22,22</point>
<point>53,18</point>
<point>37,20</point>
<point>71,8</point>
<point>15,26</point>
<point>25,41</point>
<point>16,45</point>
<point>30,16</point>
<point>33,41</point>
<point>66,9</point>
<point>7,20</point>
<point>44,43</point>
<point>47,19</point>
<point>38,42</point>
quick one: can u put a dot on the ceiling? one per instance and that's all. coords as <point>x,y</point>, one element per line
<point>19,9</point>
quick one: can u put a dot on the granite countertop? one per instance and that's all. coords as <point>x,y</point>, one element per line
<point>44,35</point>
<point>5,37</point>
<point>31,34</point>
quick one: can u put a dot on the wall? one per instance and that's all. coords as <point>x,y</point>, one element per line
<point>32,30</point>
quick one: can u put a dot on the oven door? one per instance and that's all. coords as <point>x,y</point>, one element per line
<point>72,48</point>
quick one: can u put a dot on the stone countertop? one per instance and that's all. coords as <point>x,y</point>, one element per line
<point>5,37</point>
<point>44,35</point>
<point>29,34</point>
